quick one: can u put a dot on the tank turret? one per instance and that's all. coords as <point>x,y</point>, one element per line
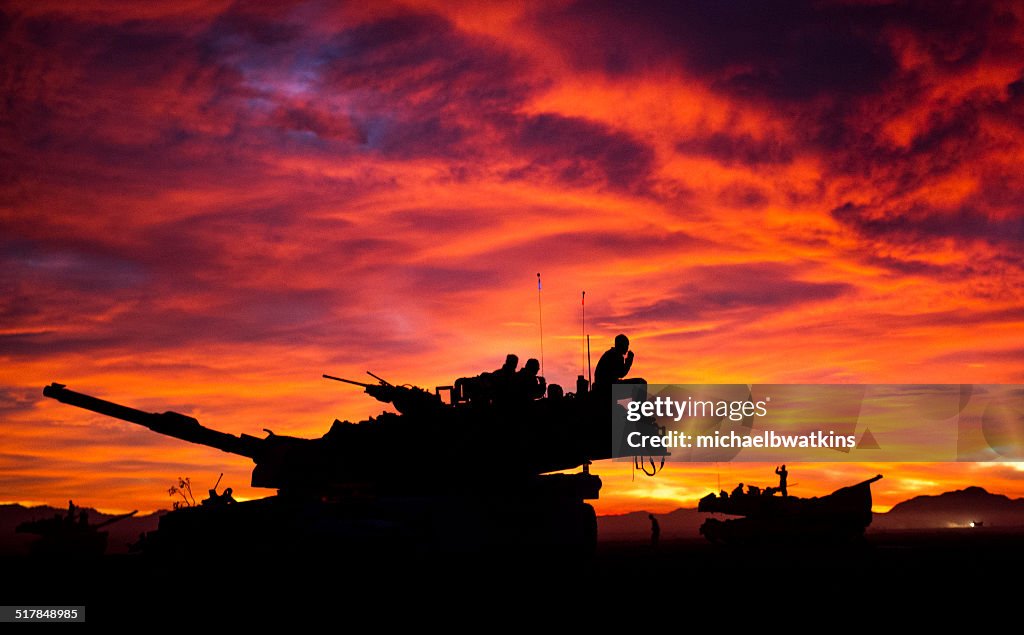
<point>517,440</point>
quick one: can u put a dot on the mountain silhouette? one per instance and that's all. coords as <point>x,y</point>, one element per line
<point>953,509</point>
<point>958,508</point>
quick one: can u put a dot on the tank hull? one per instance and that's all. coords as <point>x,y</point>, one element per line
<point>840,516</point>
<point>545,515</point>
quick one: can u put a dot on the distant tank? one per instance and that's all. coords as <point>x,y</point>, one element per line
<point>840,516</point>
<point>70,536</point>
<point>458,475</point>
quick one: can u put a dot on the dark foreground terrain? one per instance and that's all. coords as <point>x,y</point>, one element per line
<point>929,573</point>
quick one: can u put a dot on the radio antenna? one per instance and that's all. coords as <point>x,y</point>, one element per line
<point>583,332</point>
<point>540,323</point>
<point>590,375</point>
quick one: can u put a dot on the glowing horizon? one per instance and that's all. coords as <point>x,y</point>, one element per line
<point>204,207</point>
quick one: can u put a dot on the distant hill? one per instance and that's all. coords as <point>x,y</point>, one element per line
<point>121,533</point>
<point>681,523</point>
<point>953,509</point>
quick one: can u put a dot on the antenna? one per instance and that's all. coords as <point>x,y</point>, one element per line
<point>583,303</point>
<point>540,323</point>
<point>590,374</point>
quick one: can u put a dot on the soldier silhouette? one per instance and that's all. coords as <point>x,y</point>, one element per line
<point>655,531</point>
<point>527,384</point>
<point>783,476</point>
<point>499,384</point>
<point>509,367</point>
<point>614,365</point>
<point>485,386</point>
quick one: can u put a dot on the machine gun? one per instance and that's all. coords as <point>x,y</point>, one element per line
<point>406,399</point>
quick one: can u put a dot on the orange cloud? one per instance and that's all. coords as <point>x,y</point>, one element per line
<point>202,208</point>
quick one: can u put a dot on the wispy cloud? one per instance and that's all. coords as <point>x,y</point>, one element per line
<point>203,206</point>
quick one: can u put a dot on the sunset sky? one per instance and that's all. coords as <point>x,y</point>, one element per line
<point>203,207</point>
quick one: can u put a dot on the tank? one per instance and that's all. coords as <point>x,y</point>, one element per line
<point>70,536</point>
<point>463,474</point>
<point>840,516</point>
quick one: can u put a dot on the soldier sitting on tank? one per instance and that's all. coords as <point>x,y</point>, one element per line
<point>737,491</point>
<point>485,386</point>
<point>501,383</point>
<point>614,365</point>
<point>526,385</point>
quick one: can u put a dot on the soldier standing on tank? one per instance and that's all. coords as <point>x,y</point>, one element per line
<point>783,476</point>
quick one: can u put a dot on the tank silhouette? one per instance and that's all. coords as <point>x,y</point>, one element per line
<point>842,515</point>
<point>69,536</point>
<point>459,476</point>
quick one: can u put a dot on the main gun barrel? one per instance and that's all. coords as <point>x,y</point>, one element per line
<point>172,424</point>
